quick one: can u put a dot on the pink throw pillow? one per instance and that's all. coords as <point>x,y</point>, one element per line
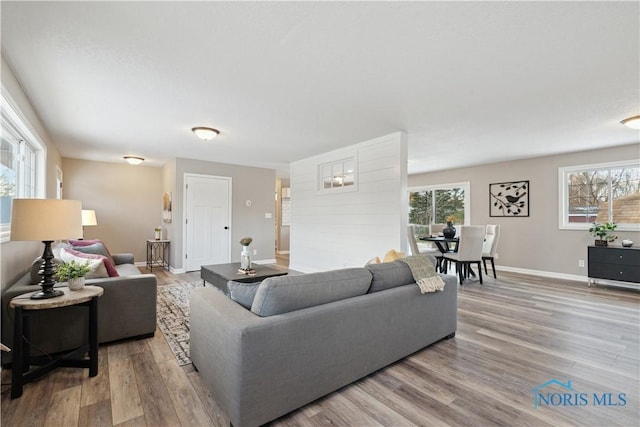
<point>90,242</point>
<point>111,270</point>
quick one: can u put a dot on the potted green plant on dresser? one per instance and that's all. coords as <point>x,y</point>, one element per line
<point>73,272</point>
<point>603,233</point>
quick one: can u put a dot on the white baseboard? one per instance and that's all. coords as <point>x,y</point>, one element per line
<point>282,252</point>
<point>541,273</point>
<point>265,261</point>
<point>171,269</point>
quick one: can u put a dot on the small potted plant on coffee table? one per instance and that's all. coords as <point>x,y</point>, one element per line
<point>73,272</point>
<point>603,233</point>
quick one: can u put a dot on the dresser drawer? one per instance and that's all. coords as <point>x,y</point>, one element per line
<point>624,273</point>
<point>624,256</point>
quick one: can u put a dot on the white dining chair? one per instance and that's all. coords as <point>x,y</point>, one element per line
<point>417,248</point>
<point>469,251</point>
<point>436,229</point>
<point>490,247</point>
<point>413,244</point>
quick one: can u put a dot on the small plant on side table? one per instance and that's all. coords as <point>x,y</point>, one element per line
<point>73,272</point>
<point>603,233</point>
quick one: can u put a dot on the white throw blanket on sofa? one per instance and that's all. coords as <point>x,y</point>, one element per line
<point>424,273</point>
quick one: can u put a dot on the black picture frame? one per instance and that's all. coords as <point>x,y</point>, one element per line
<point>509,199</point>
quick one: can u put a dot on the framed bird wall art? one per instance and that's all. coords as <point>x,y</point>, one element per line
<point>509,199</point>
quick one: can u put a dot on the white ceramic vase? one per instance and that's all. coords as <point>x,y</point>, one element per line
<point>76,283</point>
<point>245,258</point>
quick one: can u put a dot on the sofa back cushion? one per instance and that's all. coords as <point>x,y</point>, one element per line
<point>388,275</point>
<point>243,293</point>
<point>282,294</point>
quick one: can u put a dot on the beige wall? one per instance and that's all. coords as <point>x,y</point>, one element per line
<point>169,186</point>
<point>127,200</point>
<point>16,257</point>
<point>248,183</point>
<point>535,242</point>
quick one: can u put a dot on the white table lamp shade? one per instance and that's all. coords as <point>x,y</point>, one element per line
<point>46,219</point>
<point>89,217</point>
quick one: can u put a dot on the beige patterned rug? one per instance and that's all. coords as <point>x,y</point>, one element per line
<point>173,317</point>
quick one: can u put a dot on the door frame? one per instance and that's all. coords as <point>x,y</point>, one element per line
<point>184,210</point>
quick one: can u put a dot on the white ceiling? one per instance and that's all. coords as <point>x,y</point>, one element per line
<point>470,82</point>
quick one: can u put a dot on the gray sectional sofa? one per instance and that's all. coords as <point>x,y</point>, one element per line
<point>305,336</point>
<point>126,309</point>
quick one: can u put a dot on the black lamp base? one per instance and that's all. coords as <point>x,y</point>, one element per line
<point>44,294</point>
<point>48,275</point>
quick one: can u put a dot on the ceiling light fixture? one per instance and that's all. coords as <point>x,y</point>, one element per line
<point>632,122</point>
<point>205,133</point>
<point>134,160</point>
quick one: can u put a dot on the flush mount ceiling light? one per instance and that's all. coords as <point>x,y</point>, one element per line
<point>205,133</point>
<point>632,122</point>
<point>134,160</point>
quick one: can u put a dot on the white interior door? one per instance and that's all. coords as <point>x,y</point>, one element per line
<point>207,222</point>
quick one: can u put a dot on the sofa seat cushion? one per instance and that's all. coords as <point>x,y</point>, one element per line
<point>282,294</point>
<point>389,275</point>
<point>127,270</point>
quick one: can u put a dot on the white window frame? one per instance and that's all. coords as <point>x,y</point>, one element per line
<point>13,117</point>
<point>466,186</point>
<point>343,189</point>
<point>563,193</point>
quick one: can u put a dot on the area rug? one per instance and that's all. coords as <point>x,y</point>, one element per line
<point>173,317</point>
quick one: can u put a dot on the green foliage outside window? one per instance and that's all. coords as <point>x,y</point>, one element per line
<point>434,206</point>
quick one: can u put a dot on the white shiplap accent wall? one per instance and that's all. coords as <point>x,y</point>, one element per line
<point>346,229</point>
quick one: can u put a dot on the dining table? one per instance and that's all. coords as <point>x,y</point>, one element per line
<point>442,242</point>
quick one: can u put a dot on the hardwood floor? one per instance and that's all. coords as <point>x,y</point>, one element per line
<point>514,334</point>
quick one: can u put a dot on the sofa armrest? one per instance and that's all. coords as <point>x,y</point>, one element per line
<point>128,306</point>
<point>123,258</point>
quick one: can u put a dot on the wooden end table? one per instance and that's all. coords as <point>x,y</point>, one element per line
<point>219,274</point>
<point>23,304</point>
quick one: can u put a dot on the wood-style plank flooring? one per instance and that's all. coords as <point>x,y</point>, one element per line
<point>514,334</point>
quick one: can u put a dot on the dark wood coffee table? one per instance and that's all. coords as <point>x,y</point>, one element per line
<point>219,274</point>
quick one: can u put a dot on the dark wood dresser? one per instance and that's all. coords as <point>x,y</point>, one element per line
<point>614,263</point>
